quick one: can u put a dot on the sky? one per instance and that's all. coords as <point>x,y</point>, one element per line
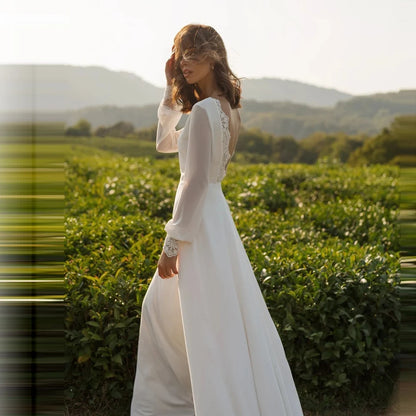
<point>355,46</point>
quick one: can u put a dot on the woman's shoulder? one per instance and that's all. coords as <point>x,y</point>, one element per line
<point>211,105</point>
<point>206,104</point>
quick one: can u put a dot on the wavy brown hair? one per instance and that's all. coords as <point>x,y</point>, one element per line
<point>206,43</point>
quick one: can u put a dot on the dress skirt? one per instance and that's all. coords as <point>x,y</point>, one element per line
<point>207,343</point>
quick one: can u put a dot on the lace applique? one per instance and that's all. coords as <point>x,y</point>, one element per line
<point>226,137</point>
<point>167,98</point>
<point>171,246</point>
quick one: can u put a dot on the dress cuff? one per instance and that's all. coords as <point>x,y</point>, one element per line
<point>171,246</point>
<point>168,100</point>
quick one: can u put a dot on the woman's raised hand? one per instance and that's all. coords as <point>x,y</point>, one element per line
<point>169,67</point>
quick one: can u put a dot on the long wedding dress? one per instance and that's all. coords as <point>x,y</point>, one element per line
<point>207,344</point>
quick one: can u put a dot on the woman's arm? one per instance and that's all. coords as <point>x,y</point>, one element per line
<point>187,215</point>
<point>169,115</point>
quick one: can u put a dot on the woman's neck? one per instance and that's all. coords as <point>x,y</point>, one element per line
<point>208,87</point>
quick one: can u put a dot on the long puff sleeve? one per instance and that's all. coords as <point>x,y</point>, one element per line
<point>169,115</point>
<point>187,213</point>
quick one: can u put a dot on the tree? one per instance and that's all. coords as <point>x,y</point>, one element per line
<point>392,145</point>
<point>285,149</point>
<point>82,128</point>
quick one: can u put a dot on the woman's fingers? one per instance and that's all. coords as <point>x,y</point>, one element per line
<point>175,267</point>
<point>163,273</point>
<point>169,68</point>
<point>166,275</point>
<point>167,266</point>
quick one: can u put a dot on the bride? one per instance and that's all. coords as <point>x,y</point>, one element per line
<point>207,343</point>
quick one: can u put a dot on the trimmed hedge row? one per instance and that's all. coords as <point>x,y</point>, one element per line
<point>323,243</point>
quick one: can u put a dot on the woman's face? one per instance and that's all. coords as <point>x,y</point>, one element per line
<point>194,67</point>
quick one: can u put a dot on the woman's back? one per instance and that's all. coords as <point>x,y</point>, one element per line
<point>234,124</point>
<point>212,129</point>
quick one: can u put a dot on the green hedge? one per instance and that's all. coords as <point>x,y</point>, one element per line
<point>323,243</point>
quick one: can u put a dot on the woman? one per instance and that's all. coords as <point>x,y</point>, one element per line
<point>207,345</point>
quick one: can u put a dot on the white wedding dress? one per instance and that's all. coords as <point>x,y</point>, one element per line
<point>207,345</point>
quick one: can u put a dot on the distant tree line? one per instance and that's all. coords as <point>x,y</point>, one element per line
<point>394,145</point>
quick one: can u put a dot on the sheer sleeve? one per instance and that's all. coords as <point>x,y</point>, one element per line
<point>169,114</point>
<point>187,214</point>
